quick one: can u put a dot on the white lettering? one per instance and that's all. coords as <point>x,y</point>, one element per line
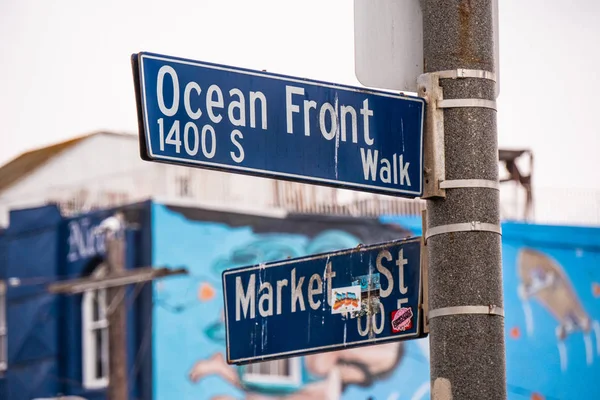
<point>234,135</point>
<point>344,110</point>
<point>308,104</point>
<point>329,275</point>
<point>280,285</point>
<point>161,134</point>
<point>403,170</point>
<point>240,104</point>
<point>291,108</point>
<point>297,295</point>
<point>369,163</point>
<point>265,297</point>
<point>213,141</point>
<point>395,169</point>
<point>192,151</point>
<point>312,291</point>
<point>401,263</point>
<point>84,240</point>
<point>244,300</point>
<point>327,108</point>
<point>212,103</point>
<point>386,167</point>
<point>361,331</point>
<point>378,328</point>
<point>263,108</point>
<point>386,272</point>
<point>186,100</point>
<point>168,111</point>
<point>174,137</point>
<point>366,113</point>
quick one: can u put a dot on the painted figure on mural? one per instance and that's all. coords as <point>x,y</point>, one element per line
<point>544,280</point>
<point>318,376</point>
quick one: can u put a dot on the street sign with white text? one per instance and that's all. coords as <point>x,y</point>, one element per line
<point>357,297</point>
<point>204,115</point>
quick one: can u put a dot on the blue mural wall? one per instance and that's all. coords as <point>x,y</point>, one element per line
<point>552,301</point>
<point>189,342</point>
<point>551,278</point>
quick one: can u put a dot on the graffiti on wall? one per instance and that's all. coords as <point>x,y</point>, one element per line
<point>551,299</point>
<point>352,373</point>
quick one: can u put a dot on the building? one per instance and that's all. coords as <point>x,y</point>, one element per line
<point>55,344</point>
<point>176,346</point>
<point>104,169</point>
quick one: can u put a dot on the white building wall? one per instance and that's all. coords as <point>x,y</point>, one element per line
<point>100,156</point>
<point>106,169</point>
<point>101,163</point>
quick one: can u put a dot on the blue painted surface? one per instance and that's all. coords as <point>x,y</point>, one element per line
<point>30,254</point>
<point>44,330</point>
<point>563,263</point>
<point>189,334</point>
<point>293,141</point>
<point>283,322</point>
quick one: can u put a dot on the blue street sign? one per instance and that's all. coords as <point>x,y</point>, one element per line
<point>356,297</point>
<point>204,115</point>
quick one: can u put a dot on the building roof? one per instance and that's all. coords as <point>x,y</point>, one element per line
<point>26,163</point>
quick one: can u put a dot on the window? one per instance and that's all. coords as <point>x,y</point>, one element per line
<point>95,336</point>
<point>3,328</point>
<point>184,186</point>
<point>286,371</point>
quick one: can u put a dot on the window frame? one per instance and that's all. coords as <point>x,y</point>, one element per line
<point>89,329</point>
<point>293,377</point>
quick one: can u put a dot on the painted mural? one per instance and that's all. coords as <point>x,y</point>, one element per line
<point>552,301</point>
<point>189,336</point>
<point>552,297</point>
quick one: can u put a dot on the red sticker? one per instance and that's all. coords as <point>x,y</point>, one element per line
<point>401,319</point>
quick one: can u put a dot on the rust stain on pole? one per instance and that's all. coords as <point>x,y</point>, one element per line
<point>465,41</point>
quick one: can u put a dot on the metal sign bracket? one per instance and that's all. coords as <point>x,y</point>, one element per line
<point>428,86</point>
<point>463,227</point>
<point>457,310</point>
<point>470,183</point>
<point>434,160</point>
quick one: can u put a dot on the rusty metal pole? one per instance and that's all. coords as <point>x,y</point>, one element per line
<point>117,317</point>
<point>465,278</point>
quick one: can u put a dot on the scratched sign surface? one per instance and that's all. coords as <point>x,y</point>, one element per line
<point>325,302</point>
<point>212,116</point>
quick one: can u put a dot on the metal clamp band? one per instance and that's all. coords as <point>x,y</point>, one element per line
<point>469,183</point>
<point>459,103</point>
<point>467,73</point>
<point>444,311</point>
<point>463,227</point>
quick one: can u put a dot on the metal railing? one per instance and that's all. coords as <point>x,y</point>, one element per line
<point>310,199</point>
<point>199,187</point>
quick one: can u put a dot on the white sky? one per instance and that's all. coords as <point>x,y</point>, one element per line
<point>65,66</point>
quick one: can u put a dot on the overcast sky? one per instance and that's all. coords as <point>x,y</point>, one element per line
<point>65,66</point>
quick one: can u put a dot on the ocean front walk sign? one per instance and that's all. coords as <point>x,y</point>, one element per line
<point>204,115</point>
<point>356,297</point>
